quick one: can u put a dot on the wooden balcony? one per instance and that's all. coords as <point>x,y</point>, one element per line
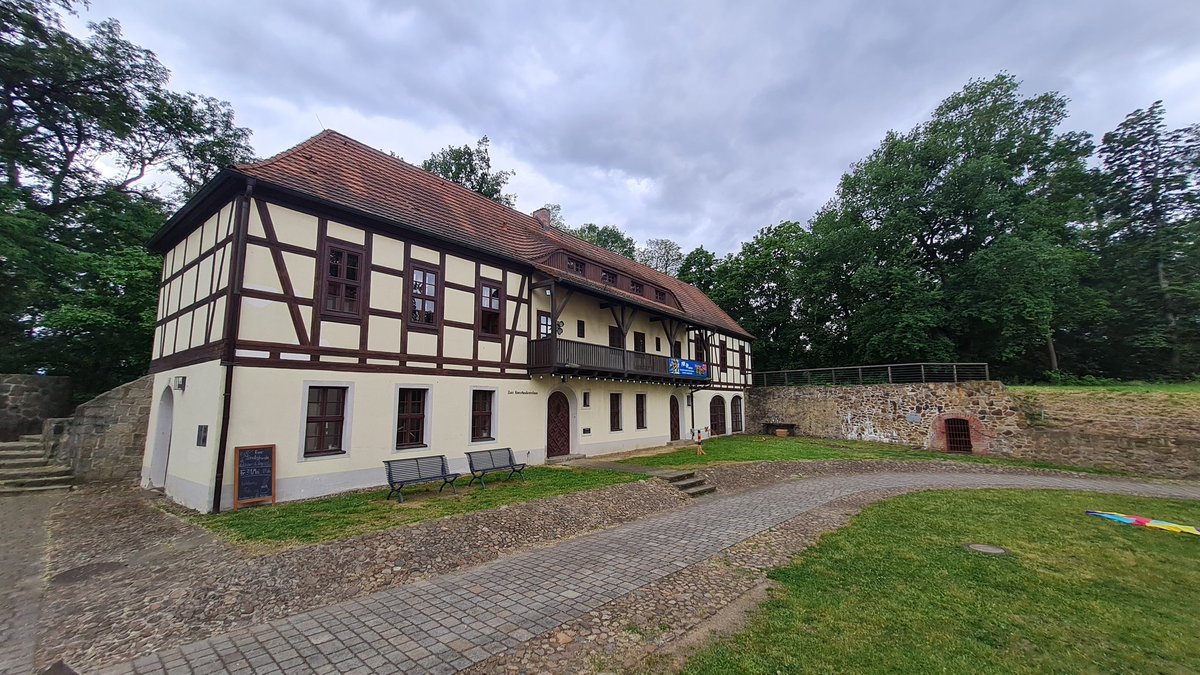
<point>568,357</point>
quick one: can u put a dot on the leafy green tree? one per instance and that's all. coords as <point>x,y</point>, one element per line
<point>663,255</point>
<point>698,268</point>
<point>472,169</point>
<point>556,216</point>
<point>1149,242</point>
<point>70,102</point>
<point>906,221</point>
<point>607,237</point>
<point>80,290</point>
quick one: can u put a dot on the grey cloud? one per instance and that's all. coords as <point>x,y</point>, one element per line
<point>741,114</point>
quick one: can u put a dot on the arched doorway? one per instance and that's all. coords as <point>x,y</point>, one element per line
<point>674,417</point>
<point>716,416</point>
<point>162,439</point>
<point>558,425</point>
<point>735,414</point>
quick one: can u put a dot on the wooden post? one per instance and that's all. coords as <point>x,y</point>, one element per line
<point>889,374</point>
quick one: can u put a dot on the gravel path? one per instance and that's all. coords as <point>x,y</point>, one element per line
<point>465,618</point>
<point>24,518</point>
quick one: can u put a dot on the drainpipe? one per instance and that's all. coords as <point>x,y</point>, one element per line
<point>233,312</point>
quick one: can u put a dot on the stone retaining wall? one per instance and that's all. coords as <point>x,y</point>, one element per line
<point>105,438</point>
<point>26,400</point>
<point>1134,433</point>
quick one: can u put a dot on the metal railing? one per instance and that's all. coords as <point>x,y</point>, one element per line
<point>890,373</point>
<point>564,355</point>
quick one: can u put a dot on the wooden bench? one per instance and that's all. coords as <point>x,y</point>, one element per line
<point>484,462</point>
<point>415,470</point>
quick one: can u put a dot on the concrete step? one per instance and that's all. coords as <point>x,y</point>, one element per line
<point>20,446</point>
<point>21,462</point>
<point>563,459</point>
<point>678,476</point>
<point>21,454</point>
<point>700,490</point>
<point>688,483</point>
<point>31,438</point>
<point>6,491</point>
<point>34,481</point>
<point>42,471</point>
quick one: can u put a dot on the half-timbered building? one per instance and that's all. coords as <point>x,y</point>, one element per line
<point>347,307</point>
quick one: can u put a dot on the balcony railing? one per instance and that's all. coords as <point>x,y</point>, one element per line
<point>569,356</point>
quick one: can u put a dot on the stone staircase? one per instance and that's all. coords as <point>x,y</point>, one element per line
<point>687,483</point>
<point>25,468</point>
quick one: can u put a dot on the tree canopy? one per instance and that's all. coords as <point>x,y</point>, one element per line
<point>80,289</point>
<point>983,235</point>
<point>472,169</point>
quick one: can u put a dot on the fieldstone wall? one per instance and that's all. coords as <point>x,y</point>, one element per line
<point>892,413</point>
<point>105,438</point>
<point>26,400</point>
<point>1139,434</point>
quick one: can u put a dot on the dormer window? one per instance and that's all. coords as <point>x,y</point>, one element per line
<point>576,266</point>
<point>660,296</point>
<point>636,287</point>
<point>609,278</point>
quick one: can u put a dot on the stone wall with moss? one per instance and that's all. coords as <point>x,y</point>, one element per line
<point>104,439</point>
<point>26,400</point>
<point>1148,434</point>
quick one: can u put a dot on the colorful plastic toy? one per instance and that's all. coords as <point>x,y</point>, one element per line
<point>1139,521</point>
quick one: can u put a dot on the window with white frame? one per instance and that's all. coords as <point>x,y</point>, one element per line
<point>411,408</point>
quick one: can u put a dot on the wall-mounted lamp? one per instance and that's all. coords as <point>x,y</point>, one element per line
<point>179,382</point>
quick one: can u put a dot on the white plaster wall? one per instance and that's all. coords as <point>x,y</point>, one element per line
<point>269,409</point>
<point>190,469</point>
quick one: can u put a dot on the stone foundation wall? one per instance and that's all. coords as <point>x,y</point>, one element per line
<point>1143,434</point>
<point>105,438</point>
<point>892,413</point>
<point>27,400</point>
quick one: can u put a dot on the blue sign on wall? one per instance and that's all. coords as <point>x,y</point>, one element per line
<point>684,368</point>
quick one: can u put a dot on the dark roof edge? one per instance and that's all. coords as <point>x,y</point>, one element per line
<point>202,196</point>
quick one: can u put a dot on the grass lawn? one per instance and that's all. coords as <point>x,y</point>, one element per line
<point>896,592</point>
<point>772,448</point>
<point>1185,388</point>
<point>349,515</point>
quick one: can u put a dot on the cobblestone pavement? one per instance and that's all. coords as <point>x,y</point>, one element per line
<point>457,620</point>
<point>23,518</point>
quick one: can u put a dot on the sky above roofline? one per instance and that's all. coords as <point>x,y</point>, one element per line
<point>699,121</point>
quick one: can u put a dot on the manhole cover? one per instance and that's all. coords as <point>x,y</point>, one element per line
<point>986,549</point>
<point>85,572</point>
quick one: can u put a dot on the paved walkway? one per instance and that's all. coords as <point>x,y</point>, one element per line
<point>460,619</point>
<point>23,518</point>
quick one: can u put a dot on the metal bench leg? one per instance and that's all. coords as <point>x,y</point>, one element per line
<point>400,496</point>
<point>516,472</point>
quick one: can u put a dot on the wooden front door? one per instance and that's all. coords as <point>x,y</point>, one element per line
<point>558,425</point>
<point>716,416</point>
<point>674,418</point>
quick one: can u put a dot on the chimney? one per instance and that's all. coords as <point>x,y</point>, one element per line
<point>543,217</point>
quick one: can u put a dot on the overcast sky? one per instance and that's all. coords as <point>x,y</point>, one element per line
<point>699,121</point>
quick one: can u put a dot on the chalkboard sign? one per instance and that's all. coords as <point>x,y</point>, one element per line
<point>254,480</point>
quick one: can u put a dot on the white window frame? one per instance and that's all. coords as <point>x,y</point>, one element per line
<point>347,420</point>
<point>495,416</point>
<point>426,430</point>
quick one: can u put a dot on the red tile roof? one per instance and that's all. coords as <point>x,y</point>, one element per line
<point>338,169</point>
